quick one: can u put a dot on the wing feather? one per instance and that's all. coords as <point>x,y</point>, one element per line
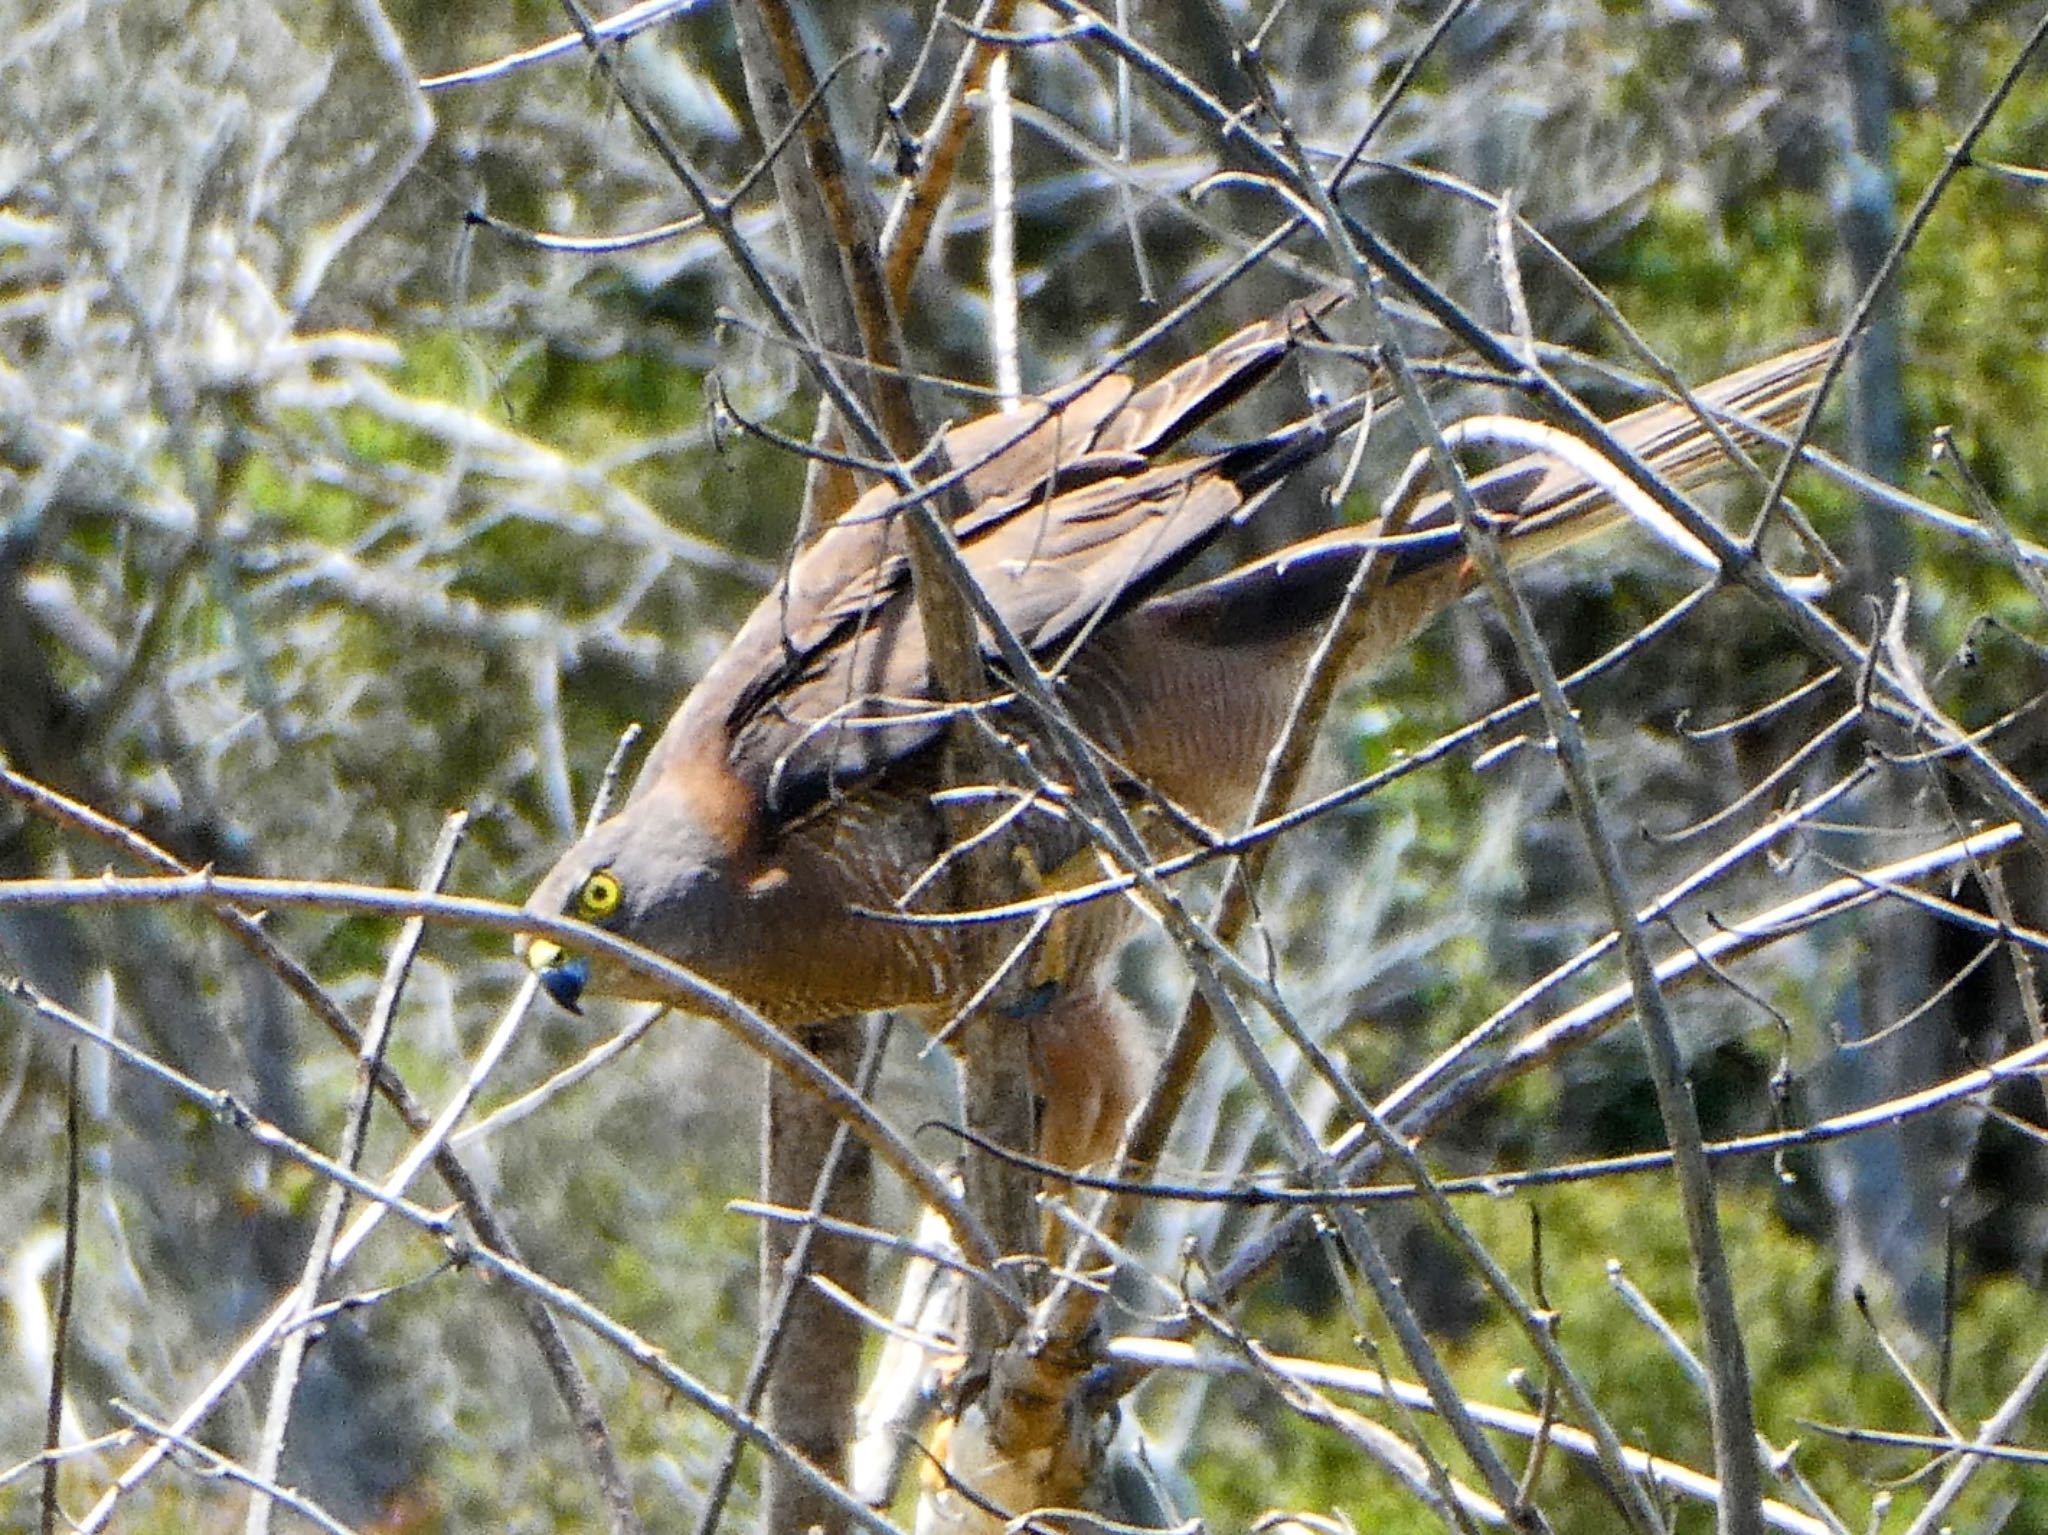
<point>827,682</point>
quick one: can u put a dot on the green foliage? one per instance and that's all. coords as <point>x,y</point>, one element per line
<point>1815,1360</point>
<point>324,512</point>
<point>1715,287</point>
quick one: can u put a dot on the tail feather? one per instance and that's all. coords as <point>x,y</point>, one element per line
<point>1670,439</point>
<point>1542,502</point>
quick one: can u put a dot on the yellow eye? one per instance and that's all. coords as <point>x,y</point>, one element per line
<point>598,898</point>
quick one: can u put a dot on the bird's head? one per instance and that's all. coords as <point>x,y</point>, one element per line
<point>655,874</point>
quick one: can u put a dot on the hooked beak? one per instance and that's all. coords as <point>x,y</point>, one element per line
<point>562,976</point>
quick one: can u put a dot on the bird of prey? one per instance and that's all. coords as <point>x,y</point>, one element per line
<point>792,797</point>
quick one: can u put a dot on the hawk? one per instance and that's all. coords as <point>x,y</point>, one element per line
<point>795,795</point>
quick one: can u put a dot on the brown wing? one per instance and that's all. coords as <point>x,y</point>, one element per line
<point>827,681</point>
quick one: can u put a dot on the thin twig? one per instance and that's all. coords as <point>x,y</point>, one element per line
<point>291,1354</point>
<point>1979,1452</point>
<point>213,1463</point>
<point>1157,1353</point>
<point>774,1324</point>
<point>67,1274</point>
<point>492,1260</point>
<point>564,1372</point>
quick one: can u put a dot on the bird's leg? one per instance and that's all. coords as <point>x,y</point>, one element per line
<point>1089,1051</point>
<point>1089,1059</point>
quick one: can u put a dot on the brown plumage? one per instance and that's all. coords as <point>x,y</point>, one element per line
<point>791,794</point>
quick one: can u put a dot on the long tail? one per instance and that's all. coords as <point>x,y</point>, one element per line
<point>1552,502</point>
<point>1543,502</point>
